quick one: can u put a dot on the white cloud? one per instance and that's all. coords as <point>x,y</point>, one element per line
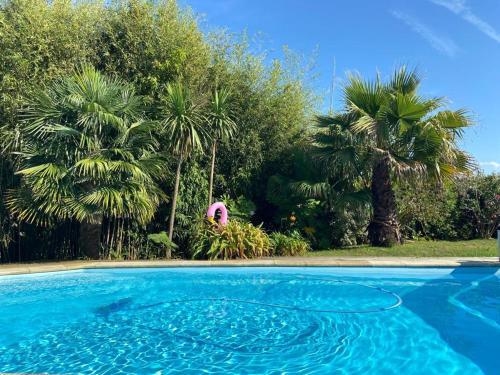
<point>490,164</point>
<point>438,42</point>
<point>459,7</point>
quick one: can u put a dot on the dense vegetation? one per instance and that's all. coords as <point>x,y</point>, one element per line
<point>120,122</point>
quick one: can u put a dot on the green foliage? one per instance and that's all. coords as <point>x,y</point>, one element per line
<point>240,208</point>
<point>392,119</point>
<point>185,133</point>
<point>184,128</point>
<point>86,154</point>
<point>40,41</point>
<point>162,241</point>
<point>331,205</point>
<point>222,127</point>
<point>192,204</point>
<point>231,241</point>
<point>425,209</point>
<point>390,130</point>
<point>151,44</point>
<point>220,117</point>
<point>477,210</point>
<point>97,157</point>
<point>271,107</point>
<point>289,245</point>
<point>468,208</point>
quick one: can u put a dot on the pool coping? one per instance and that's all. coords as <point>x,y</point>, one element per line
<point>27,268</point>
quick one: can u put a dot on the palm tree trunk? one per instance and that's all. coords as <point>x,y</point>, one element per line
<point>212,172</point>
<point>90,238</point>
<point>384,227</point>
<point>174,204</point>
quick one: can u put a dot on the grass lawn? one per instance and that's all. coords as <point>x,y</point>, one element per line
<point>421,248</point>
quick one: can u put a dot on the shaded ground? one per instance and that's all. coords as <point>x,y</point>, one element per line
<point>472,248</point>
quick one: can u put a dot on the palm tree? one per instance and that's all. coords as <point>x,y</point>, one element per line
<point>185,132</point>
<point>406,135</point>
<point>86,154</point>
<point>222,128</point>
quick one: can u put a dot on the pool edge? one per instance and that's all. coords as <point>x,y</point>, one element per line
<point>28,268</point>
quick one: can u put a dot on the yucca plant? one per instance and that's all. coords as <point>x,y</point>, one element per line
<point>234,240</point>
<point>85,154</point>
<point>222,128</point>
<point>402,134</point>
<point>185,133</point>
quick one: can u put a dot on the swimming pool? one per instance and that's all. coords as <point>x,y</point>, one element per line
<point>252,321</point>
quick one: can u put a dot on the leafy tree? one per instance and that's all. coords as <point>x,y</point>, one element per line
<point>191,203</point>
<point>330,203</point>
<point>406,134</point>
<point>271,106</point>
<point>477,209</point>
<point>222,128</point>
<point>150,44</point>
<point>39,40</point>
<point>86,153</point>
<point>425,208</point>
<point>185,133</point>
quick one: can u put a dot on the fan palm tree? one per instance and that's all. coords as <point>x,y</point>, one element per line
<point>222,128</point>
<point>405,135</point>
<point>86,153</point>
<point>185,132</point>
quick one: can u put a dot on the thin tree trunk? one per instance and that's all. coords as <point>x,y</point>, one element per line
<point>174,204</point>
<point>212,172</point>
<point>108,237</point>
<point>113,235</point>
<point>384,227</point>
<point>19,242</point>
<point>90,238</point>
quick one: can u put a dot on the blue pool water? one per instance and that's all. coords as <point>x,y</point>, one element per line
<point>252,321</point>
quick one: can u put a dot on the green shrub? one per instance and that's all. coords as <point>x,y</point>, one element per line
<point>425,209</point>
<point>289,245</point>
<point>241,208</point>
<point>231,241</point>
<point>466,209</point>
<point>477,210</point>
<point>161,242</point>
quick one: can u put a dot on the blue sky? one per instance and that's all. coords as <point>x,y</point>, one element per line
<point>455,44</point>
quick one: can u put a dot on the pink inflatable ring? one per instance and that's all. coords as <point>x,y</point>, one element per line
<point>211,213</point>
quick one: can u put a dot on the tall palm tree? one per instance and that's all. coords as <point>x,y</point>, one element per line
<point>185,131</point>
<point>222,127</point>
<point>85,154</point>
<point>406,134</point>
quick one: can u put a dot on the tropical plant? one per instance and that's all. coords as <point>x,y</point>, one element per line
<point>240,208</point>
<point>222,128</point>
<point>86,154</point>
<point>405,135</point>
<point>289,245</point>
<point>331,204</point>
<point>234,240</point>
<point>163,242</point>
<point>147,44</point>
<point>185,133</point>
<point>191,203</point>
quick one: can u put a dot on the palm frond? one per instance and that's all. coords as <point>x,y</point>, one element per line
<point>86,153</point>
